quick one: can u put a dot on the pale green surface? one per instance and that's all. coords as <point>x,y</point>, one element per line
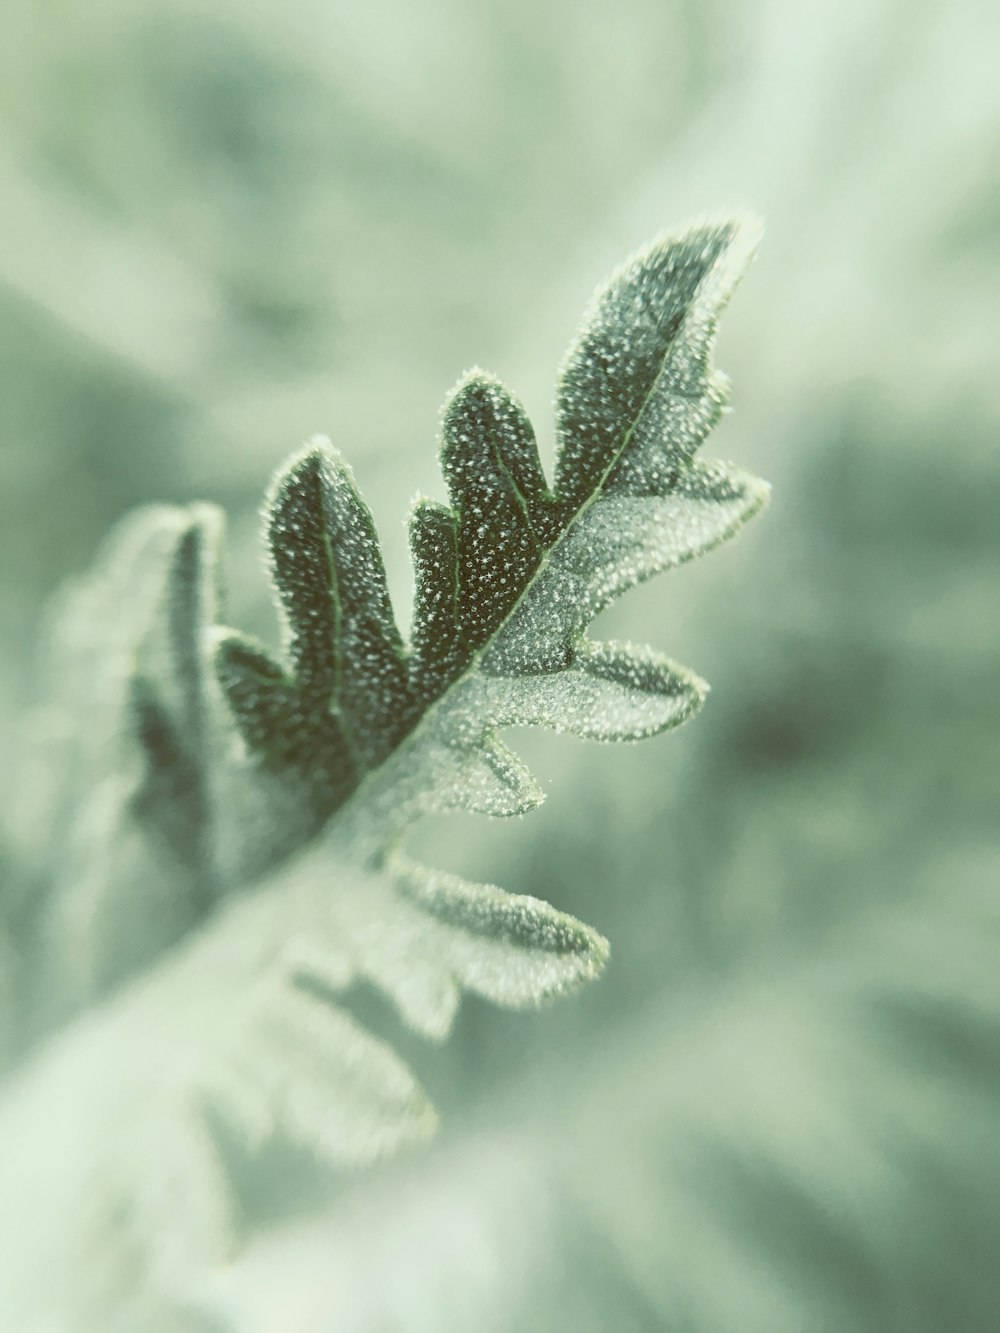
<point>225,233</point>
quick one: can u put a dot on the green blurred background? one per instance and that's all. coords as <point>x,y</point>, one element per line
<point>229,226</point>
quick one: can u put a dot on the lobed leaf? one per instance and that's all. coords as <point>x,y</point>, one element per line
<point>510,573</point>
<point>211,761</point>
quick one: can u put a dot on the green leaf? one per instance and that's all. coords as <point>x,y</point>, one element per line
<point>195,803</point>
<point>123,776</point>
<point>514,950</point>
<point>435,644</point>
<point>510,574</point>
<point>637,393</point>
<point>504,514</point>
<point>345,665</point>
<point>171,701</point>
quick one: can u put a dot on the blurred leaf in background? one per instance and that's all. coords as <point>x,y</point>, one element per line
<point>226,231</point>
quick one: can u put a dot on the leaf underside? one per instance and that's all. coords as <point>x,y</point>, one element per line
<point>210,760</point>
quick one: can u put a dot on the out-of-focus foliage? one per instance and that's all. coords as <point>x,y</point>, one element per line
<point>225,233</point>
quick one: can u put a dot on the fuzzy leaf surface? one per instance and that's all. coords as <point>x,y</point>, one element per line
<point>224,763</point>
<point>510,573</point>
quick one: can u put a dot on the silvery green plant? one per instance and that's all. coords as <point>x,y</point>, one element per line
<point>225,829</point>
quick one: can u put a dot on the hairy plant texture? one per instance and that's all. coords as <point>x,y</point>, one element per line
<point>194,780</point>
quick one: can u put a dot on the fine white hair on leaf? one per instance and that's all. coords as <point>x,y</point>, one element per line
<point>226,864</point>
